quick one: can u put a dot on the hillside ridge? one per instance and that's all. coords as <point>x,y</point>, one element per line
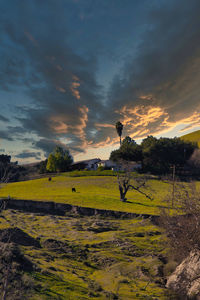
<point>192,137</point>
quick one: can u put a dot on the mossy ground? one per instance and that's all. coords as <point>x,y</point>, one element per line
<point>92,191</point>
<point>92,257</point>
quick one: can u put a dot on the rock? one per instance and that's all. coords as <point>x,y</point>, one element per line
<point>185,280</point>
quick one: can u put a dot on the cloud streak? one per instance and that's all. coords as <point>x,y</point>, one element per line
<point>27,154</point>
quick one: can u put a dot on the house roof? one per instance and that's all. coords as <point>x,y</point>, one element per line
<point>107,162</point>
<point>87,161</point>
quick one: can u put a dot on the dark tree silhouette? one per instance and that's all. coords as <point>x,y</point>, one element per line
<point>119,127</point>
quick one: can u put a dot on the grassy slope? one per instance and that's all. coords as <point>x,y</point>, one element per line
<point>121,263</point>
<point>192,137</point>
<point>94,191</point>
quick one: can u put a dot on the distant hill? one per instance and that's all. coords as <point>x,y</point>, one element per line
<point>192,137</point>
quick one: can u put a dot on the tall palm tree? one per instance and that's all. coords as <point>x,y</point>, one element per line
<point>119,127</point>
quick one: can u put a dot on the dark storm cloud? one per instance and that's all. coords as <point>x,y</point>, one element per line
<point>27,154</point>
<point>5,136</point>
<point>158,88</point>
<point>12,133</point>
<point>16,130</point>
<point>48,146</point>
<point>3,119</point>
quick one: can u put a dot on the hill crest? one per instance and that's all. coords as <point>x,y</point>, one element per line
<point>192,137</point>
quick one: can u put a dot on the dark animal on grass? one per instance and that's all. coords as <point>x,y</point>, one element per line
<point>73,190</point>
<point>49,178</point>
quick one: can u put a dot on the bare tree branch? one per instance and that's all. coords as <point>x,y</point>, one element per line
<point>125,183</point>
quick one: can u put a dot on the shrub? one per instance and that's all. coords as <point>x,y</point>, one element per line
<point>182,226</point>
<point>101,168</point>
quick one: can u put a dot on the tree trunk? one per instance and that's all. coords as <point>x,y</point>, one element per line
<point>122,194</point>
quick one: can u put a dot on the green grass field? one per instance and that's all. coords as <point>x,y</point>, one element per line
<point>92,191</point>
<point>192,137</point>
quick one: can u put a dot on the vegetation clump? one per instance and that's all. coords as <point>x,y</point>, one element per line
<point>13,265</point>
<point>59,161</point>
<point>182,224</point>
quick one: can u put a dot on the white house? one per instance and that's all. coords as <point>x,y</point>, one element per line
<point>117,166</point>
<point>109,164</point>
<point>89,164</point>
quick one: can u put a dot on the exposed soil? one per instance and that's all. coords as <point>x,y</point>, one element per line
<point>17,236</point>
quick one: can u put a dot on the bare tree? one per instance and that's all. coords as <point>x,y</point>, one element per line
<point>5,172</point>
<point>126,181</point>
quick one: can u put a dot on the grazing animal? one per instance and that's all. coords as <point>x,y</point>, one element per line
<point>73,190</point>
<point>49,178</point>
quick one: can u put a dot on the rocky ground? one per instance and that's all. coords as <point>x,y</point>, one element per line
<point>67,257</point>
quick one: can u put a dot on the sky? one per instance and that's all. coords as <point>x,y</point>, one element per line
<point>70,69</point>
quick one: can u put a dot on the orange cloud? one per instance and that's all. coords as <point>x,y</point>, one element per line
<point>104,125</point>
<point>103,143</point>
<point>84,117</point>
<point>80,128</point>
<point>58,125</point>
<point>146,97</point>
<point>141,121</point>
<point>61,127</point>
<point>60,89</point>
<point>74,87</point>
<point>141,115</point>
<point>193,121</point>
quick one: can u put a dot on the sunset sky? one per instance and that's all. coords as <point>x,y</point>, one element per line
<point>70,69</point>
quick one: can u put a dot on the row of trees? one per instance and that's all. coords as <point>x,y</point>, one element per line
<point>156,155</point>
